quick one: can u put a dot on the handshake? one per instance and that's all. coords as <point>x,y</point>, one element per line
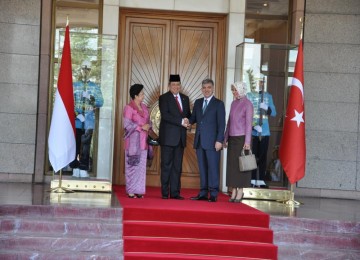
<point>186,123</point>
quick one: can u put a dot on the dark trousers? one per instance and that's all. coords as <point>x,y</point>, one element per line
<point>209,163</point>
<point>260,148</point>
<point>171,167</point>
<point>83,144</point>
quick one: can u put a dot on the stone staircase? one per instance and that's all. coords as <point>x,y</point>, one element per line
<point>313,239</point>
<point>60,232</point>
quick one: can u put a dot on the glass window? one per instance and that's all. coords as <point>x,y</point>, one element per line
<point>93,64</point>
<point>268,67</point>
<point>267,21</point>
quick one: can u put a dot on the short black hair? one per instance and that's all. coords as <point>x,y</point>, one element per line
<point>135,90</point>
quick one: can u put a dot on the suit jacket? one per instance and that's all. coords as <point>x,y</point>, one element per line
<point>210,125</point>
<point>171,131</point>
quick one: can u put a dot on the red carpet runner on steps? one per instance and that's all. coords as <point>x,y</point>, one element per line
<point>184,229</point>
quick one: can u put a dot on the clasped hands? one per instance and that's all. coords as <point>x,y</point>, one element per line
<point>186,123</point>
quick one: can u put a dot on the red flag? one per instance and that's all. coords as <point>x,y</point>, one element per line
<point>292,151</point>
<point>62,145</point>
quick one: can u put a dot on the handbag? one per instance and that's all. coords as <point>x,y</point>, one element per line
<point>153,138</point>
<point>247,162</point>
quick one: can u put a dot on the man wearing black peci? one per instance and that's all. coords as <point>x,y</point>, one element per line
<point>175,111</point>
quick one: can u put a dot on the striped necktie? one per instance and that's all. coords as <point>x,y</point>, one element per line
<point>205,105</point>
<point>178,103</point>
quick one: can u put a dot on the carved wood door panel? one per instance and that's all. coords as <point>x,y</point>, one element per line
<point>152,47</point>
<point>193,56</point>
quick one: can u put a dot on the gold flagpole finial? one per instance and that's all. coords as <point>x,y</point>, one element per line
<point>301,20</point>
<point>67,20</point>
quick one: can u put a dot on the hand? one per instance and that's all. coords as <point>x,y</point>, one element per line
<point>246,147</point>
<point>264,106</point>
<point>188,127</point>
<point>185,122</point>
<point>218,146</point>
<point>258,128</point>
<point>146,127</point>
<point>225,144</point>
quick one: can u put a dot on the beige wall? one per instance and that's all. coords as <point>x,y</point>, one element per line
<point>19,77</point>
<point>332,83</point>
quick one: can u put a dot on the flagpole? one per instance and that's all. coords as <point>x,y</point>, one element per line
<point>60,189</point>
<point>66,81</point>
<point>291,202</point>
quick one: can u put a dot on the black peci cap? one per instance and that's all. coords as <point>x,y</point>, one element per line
<point>174,78</point>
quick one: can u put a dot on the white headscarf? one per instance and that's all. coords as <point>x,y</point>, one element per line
<point>240,87</point>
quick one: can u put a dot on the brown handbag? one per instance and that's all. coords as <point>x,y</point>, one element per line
<point>247,162</point>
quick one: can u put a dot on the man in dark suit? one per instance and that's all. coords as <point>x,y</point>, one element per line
<point>209,115</point>
<point>175,111</point>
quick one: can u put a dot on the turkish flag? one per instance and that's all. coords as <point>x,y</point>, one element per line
<point>62,144</point>
<point>292,151</point>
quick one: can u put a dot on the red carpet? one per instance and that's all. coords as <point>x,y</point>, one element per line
<point>184,229</point>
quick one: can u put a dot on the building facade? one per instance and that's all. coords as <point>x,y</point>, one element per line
<point>331,72</point>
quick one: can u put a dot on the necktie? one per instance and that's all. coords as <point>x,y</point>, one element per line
<point>178,103</point>
<point>205,105</point>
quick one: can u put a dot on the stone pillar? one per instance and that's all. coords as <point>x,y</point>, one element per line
<point>332,73</point>
<point>235,35</point>
<point>19,76</point>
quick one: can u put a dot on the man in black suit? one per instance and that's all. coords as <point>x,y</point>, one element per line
<point>209,115</point>
<point>175,111</point>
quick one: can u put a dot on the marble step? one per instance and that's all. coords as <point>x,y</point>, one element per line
<point>60,212</point>
<point>300,252</point>
<point>15,255</point>
<point>61,228</point>
<point>344,241</point>
<point>57,245</point>
<point>316,225</point>
<point>313,239</point>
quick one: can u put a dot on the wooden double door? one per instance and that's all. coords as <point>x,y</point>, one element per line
<point>153,45</point>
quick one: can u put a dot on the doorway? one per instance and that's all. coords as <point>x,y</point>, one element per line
<point>153,45</point>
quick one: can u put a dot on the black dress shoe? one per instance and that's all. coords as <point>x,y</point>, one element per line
<point>212,199</point>
<point>164,197</point>
<point>198,197</point>
<point>177,197</point>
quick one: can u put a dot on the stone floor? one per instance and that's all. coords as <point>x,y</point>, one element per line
<point>319,228</point>
<point>314,208</point>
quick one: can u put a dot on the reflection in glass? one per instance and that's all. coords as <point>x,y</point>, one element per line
<point>273,64</point>
<point>93,65</point>
<point>267,21</point>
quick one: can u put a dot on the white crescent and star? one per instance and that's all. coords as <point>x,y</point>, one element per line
<point>297,83</point>
<point>298,118</point>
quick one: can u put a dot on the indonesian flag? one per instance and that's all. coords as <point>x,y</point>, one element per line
<point>292,151</point>
<point>62,145</point>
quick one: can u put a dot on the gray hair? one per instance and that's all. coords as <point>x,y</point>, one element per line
<point>207,81</point>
